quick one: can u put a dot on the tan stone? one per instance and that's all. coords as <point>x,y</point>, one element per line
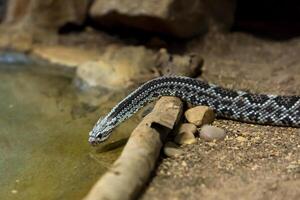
<point>17,42</point>
<point>185,134</point>
<point>200,115</point>
<point>182,65</point>
<point>31,21</point>
<point>118,67</point>
<point>180,18</point>
<point>64,55</point>
<point>45,14</point>
<point>172,150</point>
<point>16,10</point>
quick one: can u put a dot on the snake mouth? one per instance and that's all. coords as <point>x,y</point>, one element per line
<point>94,140</point>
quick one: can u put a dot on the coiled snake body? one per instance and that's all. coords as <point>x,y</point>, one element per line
<point>230,104</point>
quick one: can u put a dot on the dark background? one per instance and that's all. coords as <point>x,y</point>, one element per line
<point>270,18</point>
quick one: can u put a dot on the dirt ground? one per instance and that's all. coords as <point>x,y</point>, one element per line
<point>254,161</point>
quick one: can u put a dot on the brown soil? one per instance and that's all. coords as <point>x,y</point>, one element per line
<point>253,162</point>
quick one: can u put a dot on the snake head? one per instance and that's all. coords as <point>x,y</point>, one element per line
<point>101,130</point>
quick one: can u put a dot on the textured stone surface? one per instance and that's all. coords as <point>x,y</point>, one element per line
<point>200,115</point>
<point>182,65</point>
<point>181,18</point>
<point>46,14</point>
<point>32,21</point>
<point>16,10</point>
<point>64,55</point>
<point>186,134</point>
<point>172,150</point>
<point>210,133</point>
<point>118,67</point>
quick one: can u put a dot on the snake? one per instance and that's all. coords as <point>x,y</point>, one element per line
<point>238,105</point>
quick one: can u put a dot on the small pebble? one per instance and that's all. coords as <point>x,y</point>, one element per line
<point>172,150</point>
<point>200,115</point>
<point>210,133</point>
<point>241,139</point>
<point>185,134</point>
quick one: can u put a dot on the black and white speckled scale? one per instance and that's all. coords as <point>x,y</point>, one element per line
<point>230,104</point>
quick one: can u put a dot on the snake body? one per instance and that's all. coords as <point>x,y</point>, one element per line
<point>236,105</point>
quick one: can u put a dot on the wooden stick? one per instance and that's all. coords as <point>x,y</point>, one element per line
<point>129,173</point>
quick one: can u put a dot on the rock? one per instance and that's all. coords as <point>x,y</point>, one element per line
<point>15,40</point>
<point>186,134</point>
<point>15,10</point>
<point>46,14</point>
<point>118,67</point>
<point>182,65</point>
<point>210,133</point>
<point>172,150</point>
<point>32,21</point>
<point>174,17</point>
<point>200,115</point>
<point>64,55</point>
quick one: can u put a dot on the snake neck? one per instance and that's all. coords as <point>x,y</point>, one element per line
<point>230,104</point>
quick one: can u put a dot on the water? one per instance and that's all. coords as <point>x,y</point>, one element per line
<point>44,153</point>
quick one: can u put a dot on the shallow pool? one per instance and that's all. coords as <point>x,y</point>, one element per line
<point>44,153</point>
